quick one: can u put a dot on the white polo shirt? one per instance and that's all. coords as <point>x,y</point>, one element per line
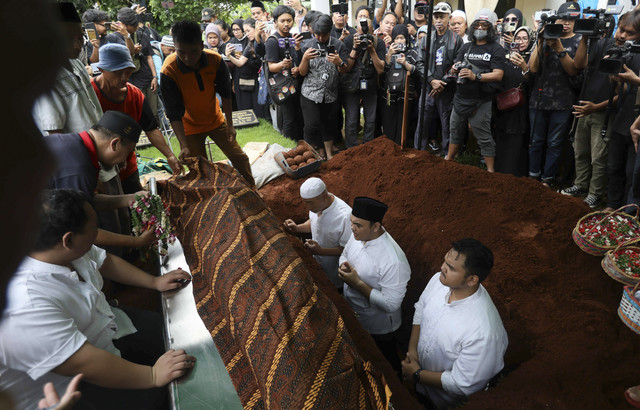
<point>381,264</point>
<point>51,312</point>
<point>331,228</point>
<point>464,339</point>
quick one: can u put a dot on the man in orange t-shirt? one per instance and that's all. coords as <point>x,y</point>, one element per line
<point>190,79</point>
<point>117,94</point>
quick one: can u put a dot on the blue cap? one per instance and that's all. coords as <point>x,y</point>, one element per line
<point>114,57</point>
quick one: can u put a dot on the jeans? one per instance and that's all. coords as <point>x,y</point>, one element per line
<point>369,99</point>
<point>548,130</point>
<point>435,108</point>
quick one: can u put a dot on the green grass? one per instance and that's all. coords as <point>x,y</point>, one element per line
<point>263,132</point>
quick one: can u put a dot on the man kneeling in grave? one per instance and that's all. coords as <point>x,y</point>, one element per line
<point>375,272</point>
<point>329,225</point>
<point>58,323</point>
<point>458,341</point>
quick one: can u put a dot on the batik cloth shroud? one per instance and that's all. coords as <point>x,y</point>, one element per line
<point>283,341</point>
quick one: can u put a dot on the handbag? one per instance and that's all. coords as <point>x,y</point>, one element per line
<point>510,99</point>
<point>247,84</point>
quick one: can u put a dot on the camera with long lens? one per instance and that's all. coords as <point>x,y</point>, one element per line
<point>618,56</point>
<point>600,24</point>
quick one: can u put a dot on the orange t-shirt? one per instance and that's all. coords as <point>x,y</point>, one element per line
<point>197,90</point>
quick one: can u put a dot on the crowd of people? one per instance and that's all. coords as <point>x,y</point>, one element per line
<point>511,86</point>
<point>535,103</point>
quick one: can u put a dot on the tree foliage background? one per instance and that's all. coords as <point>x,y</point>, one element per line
<point>228,10</point>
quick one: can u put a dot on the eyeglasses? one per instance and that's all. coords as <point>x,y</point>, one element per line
<point>237,29</point>
<point>483,25</point>
<point>510,19</point>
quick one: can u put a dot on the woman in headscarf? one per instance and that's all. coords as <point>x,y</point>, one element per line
<point>237,29</point>
<point>512,21</point>
<point>512,126</point>
<point>400,59</point>
<point>212,37</point>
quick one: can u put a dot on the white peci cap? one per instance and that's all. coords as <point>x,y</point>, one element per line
<point>312,188</point>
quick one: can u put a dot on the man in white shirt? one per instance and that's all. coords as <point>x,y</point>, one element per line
<point>458,341</point>
<point>58,323</point>
<point>375,272</point>
<point>329,224</point>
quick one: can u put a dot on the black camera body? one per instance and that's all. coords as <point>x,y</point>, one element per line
<point>422,9</point>
<point>342,8</point>
<point>600,24</point>
<point>460,66</point>
<point>617,57</point>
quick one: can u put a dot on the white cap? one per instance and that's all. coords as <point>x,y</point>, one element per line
<point>459,13</point>
<point>312,188</point>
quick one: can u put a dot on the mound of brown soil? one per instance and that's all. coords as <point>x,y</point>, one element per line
<point>567,347</point>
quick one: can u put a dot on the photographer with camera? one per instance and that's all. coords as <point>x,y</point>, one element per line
<point>420,12</point>
<point>400,60</point>
<point>479,64</point>
<point>553,94</point>
<point>360,83</point>
<point>284,58</point>
<point>445,45</point>
<point>340,29</point>
<point>323,59</point>
<point>622,147</point>
<point>590,147</point>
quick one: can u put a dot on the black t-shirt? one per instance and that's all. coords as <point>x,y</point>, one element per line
<point>558,88</point>
<point>337,32</point>
<point>626,116</point>
<point>485,58</point>
<point>381,51</point>
<point>439,54</point>
<point>275,53</point>
<point>142,78</point>
<point>598,87</point>
<point>75,169</point>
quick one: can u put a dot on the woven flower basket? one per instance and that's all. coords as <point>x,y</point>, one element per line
<point>587,238</point>
<point>629,310</point>
<point>614,270</point>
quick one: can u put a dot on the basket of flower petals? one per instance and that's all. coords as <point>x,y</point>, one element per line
<point>599,232</point>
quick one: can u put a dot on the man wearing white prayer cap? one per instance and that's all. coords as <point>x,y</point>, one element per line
<point>329,224</point>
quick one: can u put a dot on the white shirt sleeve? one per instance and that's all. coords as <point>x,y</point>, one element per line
<point>39,339</point>
<point>48,112</point>
<point>474,367</point>
<point>393,285</point>
<point>346,232</point>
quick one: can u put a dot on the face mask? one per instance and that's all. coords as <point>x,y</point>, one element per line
<point>480,34</point>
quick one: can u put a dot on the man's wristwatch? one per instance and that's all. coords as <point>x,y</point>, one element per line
<point>416,376</point>
<point>479,77</point>
<point>342,64</point>
<point>562,53</point>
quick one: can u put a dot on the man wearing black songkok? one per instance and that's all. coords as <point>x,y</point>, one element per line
<point>375,272</point>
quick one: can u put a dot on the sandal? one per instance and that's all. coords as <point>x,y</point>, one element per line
<point>631,401</point>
